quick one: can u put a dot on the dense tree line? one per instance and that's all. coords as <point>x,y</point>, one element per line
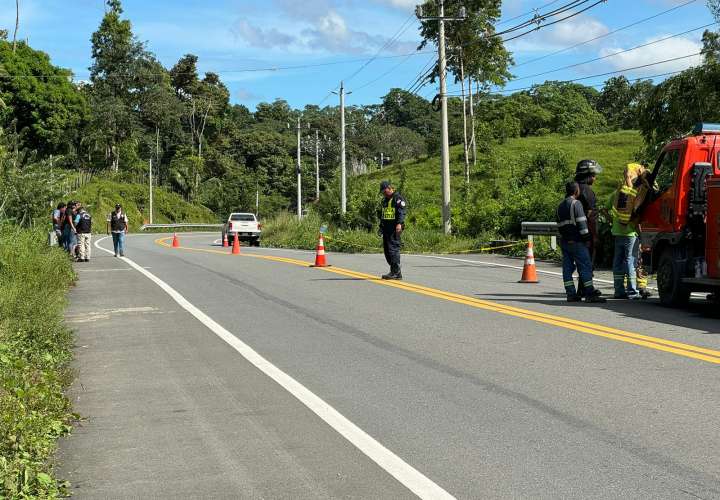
<point>133,110</point>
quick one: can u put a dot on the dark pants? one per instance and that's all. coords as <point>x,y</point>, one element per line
<point>391,247</point>
<point>576,256</point>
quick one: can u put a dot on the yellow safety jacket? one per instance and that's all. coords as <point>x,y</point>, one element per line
<point>624,206</point>
<point>388,212</point>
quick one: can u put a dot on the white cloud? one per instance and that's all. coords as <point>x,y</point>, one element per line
<point>661,51</point>
<point>565,34</point>
<point>400,4</point>
<point>261,38</point>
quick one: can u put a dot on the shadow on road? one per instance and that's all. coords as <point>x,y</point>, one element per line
<point>695,316</point>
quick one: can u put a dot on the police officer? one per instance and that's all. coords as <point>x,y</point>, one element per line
<point>392,224</point>
<point>586,173</point>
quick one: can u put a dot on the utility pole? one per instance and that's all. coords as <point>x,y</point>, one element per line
<point>151,193</point>
<point>473,140</point>
<point>465,135</point>
<point>444,139</point>
<point>382,160</point>
<point>343,169</point>
<point>299,176</point>
<point>317,164</point>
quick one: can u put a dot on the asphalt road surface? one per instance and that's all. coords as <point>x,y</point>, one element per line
<point>208,375</point>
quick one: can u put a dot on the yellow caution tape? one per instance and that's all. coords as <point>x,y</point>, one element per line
<point>457,252</point>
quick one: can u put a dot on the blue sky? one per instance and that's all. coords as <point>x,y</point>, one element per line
<point>231,36</point>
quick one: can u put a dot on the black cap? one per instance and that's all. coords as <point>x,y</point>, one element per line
<point>384,185</point>
<point>118,205</point>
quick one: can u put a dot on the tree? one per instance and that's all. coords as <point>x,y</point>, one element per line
<point>47,109</point>
<point>115,78</point>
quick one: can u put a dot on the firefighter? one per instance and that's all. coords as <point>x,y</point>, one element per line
<point>392,224</point>
<point>575,244</point>
<point>623,206</point>
<point>586,173</point>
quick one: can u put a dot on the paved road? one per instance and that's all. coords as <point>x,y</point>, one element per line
<point>459,381</point>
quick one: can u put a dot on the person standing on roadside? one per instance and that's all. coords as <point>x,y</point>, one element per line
<point>84,233</point>
<point>57,222</point>
<point>117,223</point>
<point>574,243</point>
<point>392,224</point>
<point>70,231</point>
<point>586,173</point>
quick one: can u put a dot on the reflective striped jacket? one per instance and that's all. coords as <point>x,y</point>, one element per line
<point>571,220</point>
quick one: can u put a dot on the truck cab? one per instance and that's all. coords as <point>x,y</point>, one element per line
<point>680,222</point>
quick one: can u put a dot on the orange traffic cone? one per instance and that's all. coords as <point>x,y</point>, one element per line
<point>236,245</point>
<point>176,242</point>
<point>529,274</point>
<point>320,253</point>
<point>225,241</point>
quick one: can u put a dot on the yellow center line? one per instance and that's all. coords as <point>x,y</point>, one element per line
<point>660,344</point>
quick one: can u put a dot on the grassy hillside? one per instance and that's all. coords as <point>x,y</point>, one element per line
<point>101,195</point>
<point>613,150</point>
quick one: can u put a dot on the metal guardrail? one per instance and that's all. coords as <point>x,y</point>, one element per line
<point>181,225</point>
<point>531,229</point>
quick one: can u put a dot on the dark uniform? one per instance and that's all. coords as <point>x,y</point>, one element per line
<point>585,173</point>
<point>393,213</point>
<point>574,237</point>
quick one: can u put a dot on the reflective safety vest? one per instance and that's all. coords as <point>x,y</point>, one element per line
<point>388,212</point>
<point>624,205</point>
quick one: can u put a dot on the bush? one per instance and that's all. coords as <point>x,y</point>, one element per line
<point>35,352</point>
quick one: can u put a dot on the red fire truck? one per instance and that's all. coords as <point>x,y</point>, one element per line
<point>680,222</point>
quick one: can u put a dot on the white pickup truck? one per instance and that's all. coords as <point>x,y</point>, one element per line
<point>245,226</point>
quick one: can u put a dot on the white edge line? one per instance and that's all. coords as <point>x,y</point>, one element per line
<point>410,477</point>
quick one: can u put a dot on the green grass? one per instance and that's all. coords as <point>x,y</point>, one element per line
<point>284,231</point>
<point>101,195</point>
<point>35,352</point>
<point>613,150</point>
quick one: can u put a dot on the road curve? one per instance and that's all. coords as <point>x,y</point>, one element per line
<point>484,387</point>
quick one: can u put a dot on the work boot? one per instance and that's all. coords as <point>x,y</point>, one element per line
<point>574,298</point>
<point>595,299</point>
<point>394,274</point>
<point>645,293</point>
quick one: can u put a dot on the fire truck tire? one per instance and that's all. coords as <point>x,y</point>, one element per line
<point>671,290</point>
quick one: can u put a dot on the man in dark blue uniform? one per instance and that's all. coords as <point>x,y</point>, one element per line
<point>392,224</point>
<point>575,241</point>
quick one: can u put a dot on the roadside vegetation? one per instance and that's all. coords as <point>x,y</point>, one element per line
<point>100,196</point>
<point>35,355</point>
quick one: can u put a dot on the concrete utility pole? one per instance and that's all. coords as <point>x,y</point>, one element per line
<point>299,176</point>
<point>382,160</point>
<point>317,164</point>
<point>444,139</point>
<point>151,193</point>
<point>343,169</point>
<point>465,134</point>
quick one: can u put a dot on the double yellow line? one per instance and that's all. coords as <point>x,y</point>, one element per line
<point>678,348</point>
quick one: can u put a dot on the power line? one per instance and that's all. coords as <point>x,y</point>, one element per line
<point>617,30</point>
<point>611,55</point>
<point>539,18</point>
<point>386,45</point>
<point>383,75</point>
<point>519,16</point>
<point>577,13</point>
<point>520,89</point>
